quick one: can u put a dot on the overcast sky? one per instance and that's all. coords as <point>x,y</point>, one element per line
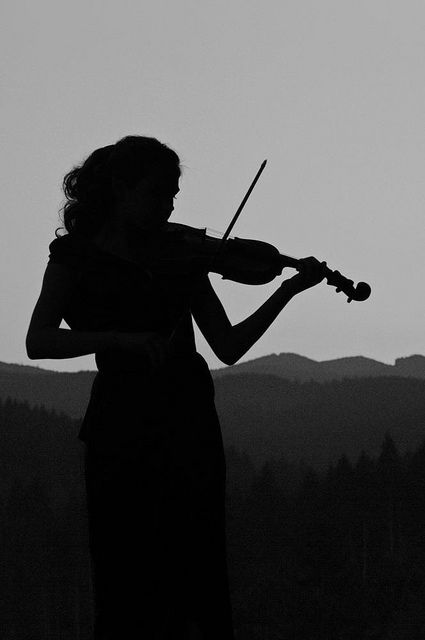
<point>332,93</point>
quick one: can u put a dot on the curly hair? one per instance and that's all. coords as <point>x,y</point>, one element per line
<point>88,187</point>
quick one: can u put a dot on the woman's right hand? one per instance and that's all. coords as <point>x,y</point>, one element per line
<point>146,343</point>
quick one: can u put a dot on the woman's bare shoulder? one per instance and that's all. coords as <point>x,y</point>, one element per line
<point>57,289</point>
<point>60,273</point>
<point>68,250</point>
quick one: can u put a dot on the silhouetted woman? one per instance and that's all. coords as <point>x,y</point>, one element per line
<point>154,462</point>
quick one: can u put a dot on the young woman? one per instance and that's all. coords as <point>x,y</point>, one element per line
<point>154,460</point>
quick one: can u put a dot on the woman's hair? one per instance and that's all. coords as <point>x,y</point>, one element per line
<point>88,187</point>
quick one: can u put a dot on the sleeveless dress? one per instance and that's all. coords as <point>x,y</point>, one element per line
<point>155,469</point>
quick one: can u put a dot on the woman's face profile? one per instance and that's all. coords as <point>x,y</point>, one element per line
<point>148,204</point>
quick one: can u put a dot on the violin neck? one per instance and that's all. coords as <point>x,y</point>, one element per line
<point>288,261</point>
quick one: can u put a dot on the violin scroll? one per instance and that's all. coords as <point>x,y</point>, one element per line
<point>358,293</point>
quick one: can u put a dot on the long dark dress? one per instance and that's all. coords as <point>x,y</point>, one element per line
<point>155,466</point>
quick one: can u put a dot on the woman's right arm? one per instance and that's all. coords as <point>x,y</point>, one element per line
<point>44,337</point>
<point>46,340</point>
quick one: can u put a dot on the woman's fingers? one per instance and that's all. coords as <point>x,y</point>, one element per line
<point>311,270</point>
<point>148,344</point>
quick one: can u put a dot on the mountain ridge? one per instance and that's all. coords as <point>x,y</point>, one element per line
<point>70,391</point>
<point>313,410</point>
<point>292,366</point>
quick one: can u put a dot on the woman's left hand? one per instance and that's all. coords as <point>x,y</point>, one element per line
<point>311,272</point>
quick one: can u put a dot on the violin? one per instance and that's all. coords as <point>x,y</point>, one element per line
<point>185,250</point>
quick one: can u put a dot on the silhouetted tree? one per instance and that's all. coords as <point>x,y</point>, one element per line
<point>390,474</point>
<point>365,507</point>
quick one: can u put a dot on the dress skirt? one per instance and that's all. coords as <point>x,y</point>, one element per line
<point>155,480</point>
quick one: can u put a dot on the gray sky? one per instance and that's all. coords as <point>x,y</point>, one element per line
<point>332,93</point>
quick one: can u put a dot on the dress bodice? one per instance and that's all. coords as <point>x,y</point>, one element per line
<point>113,293</point>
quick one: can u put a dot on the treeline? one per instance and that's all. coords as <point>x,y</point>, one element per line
<point>316,421</point>
<point>45,582</point>
<point>338,555</point>
<point>332,555</point>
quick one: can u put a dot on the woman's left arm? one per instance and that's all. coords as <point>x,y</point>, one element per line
<point>212,320</point>
<point>230,343</point>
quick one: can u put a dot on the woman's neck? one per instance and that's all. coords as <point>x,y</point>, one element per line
<point>121,242</point>
<point>114,240</point>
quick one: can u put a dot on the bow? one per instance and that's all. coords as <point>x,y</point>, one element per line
<point>224,238</point>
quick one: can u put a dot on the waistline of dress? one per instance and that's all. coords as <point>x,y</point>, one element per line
<point>142,371</point>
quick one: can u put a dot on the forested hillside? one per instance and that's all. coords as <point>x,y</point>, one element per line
<point>313,555</point>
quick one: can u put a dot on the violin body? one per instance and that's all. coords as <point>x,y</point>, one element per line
<point>182,249</point>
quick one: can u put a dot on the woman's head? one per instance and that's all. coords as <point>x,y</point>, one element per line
<point>121,177</point>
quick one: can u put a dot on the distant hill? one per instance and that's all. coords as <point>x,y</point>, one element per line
<point>318,422</point>
<point>278,405</point>
<point>62,391</point>
<point>294,367</point>
<point>70,392</point>
<point>23,369</point>
<point>270,417</point>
